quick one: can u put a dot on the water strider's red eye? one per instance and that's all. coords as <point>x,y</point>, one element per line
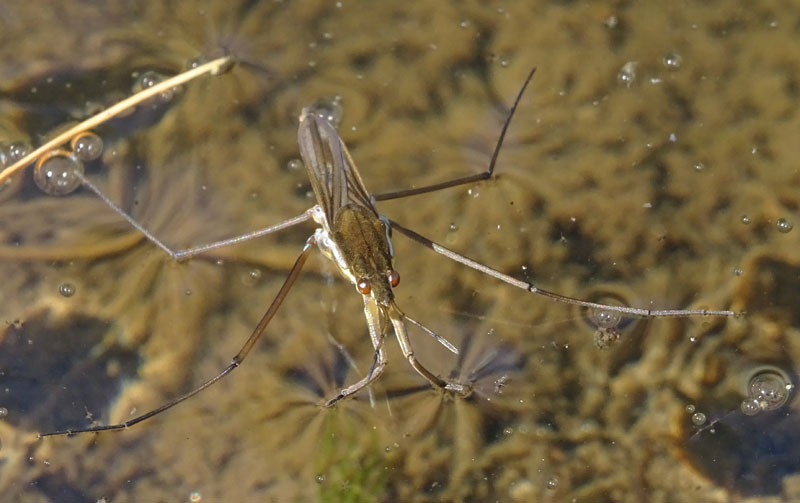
<point>363,286</point>
<point>394,278</point>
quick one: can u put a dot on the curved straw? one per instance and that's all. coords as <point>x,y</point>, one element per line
<point>210,67</point>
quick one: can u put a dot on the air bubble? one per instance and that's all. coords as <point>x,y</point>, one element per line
<point>698,419</point>
<point>3,412</point>
<point>320,478</point>
<point>746,220</point>
<point>9,154</point>
<point>223,68</point>
<point>770,387</point>
<point>690,408</point>
<point>611,21</point>
<point>627,74</point>
<point>294,165</point>
<point>66,289</point>
<point>603,318</point>
<point>672,60</point>
<point>607,326</point>
<point>13,152</point>
<point>330,110</point>
<point>18,150</point>
<point>55,172</point>
<point>750,407</point>
<point>699,166</point>
<point>252,277</point>
<point>552,483</point>
<point>87,146</point>
<point>738,271</point>
<point>151,78</point>
<point>784,225</point>
<point>147,80</point>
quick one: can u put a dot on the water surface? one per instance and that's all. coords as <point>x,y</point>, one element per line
<point>649,163</point>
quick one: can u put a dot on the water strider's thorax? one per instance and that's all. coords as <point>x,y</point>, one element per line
<point>363,241</point>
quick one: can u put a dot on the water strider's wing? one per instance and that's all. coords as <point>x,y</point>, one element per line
<point>333,174</point>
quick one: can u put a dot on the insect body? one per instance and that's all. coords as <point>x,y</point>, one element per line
<point>357,239</point>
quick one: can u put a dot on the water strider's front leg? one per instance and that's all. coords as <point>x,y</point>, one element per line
<point>186,253</point>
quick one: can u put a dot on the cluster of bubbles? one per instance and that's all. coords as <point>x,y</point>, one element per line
<point>698,418</point>
<point>783,224</point>
<point>768,388</point>
<point>607,324</point>
<point>628,74</point>
<point>150,78</point>
<point>56,172</point>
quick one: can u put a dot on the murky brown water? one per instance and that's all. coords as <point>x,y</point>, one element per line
<point>649,161</point>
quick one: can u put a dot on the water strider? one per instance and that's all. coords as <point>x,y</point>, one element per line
<point>357,239</point>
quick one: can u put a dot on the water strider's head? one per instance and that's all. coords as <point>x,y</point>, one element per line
<point>363,240</point>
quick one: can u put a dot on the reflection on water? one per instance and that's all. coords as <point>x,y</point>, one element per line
<point>672,188</point>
